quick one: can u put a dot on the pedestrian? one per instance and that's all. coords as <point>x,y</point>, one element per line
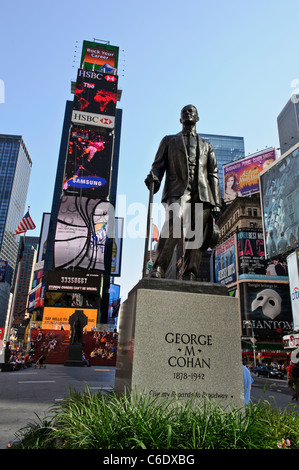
<point>293,378</point>
<point>247,380</point>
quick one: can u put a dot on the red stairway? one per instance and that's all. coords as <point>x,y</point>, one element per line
<point>99,347</point>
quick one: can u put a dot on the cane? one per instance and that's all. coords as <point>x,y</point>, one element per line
<point>148,227</point>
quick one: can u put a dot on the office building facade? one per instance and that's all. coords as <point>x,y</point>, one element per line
<point>227,149</point>
<point>288,125</point>
<point>15,170</point>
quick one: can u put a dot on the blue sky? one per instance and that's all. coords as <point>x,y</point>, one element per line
<point>235,61</point>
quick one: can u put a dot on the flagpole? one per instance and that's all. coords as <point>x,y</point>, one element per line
<point>10,319</point>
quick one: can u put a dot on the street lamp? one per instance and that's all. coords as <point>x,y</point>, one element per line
<point>253,342</point>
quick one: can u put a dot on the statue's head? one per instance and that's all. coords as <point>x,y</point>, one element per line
<point>189,115</point>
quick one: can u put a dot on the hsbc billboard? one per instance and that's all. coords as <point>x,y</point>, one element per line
<point>98,120</point>
<point>95,99</point>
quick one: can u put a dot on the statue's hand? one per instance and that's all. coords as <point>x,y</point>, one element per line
<point>215,211</point>
<point>151,177</point>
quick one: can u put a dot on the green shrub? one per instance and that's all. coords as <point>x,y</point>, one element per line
<point>86,420</point>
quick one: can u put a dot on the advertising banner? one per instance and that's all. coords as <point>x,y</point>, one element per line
<point>88,163</point>
<point>225,262</point>
<point>74,281</point>
<point>95,93</point>
<point>241,178</point>
<point>96,56</point>
<point>267,308</point>
<point>251,258</point>
<point>55,318</point>
<point>81,233</point>
<point>280,203</point>
<point>294,287</point>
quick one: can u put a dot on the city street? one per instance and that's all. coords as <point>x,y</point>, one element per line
<point>30,393</point>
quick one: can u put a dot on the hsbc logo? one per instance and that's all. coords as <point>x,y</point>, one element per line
<point>106,121</point>
<point>92,119</point>
<point>110,78</point>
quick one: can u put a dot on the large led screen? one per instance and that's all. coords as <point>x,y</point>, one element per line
<point>98,56</point>
<point>280,204</point>
<point>241,178</point>
<point>88,163</point>
<point>55,318</point>
<point>81,233</point>
<point>95,92</point>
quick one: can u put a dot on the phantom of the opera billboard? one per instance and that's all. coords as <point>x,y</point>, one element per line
<point>280,203</point>
<point>225,262</point>
<point>88,162</point>
<point>81,233</point>
<point>266,307</point>
<point>96,56</point>
<point>241,178</point>
<point>57,318</point>
<point>95,93</point>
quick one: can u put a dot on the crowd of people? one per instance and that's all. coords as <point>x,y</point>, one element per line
<point>20,359</point>
<point>105,344</point>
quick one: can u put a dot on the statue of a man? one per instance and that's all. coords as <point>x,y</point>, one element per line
<point>191,189</point>
<point>78,320</point>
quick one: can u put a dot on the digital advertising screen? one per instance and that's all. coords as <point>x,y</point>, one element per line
<point>95,93</point>
<point>56,317</point>
<point>280,204</point>
<point>241,178</point>
<point>97,56</point>
<point>74,281</point>
<point>88,162</point>
<point>81,233</point>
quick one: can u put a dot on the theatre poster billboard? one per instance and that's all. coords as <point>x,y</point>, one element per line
<point>241,178</point>
<point>225,262</point>
<point>251,258</point>
<point>265,308</point>
<point>280,204</point>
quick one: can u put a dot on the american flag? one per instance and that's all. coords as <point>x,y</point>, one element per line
<point>25,224</point>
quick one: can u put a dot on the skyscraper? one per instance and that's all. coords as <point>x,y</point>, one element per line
<point>15,170</point>
<point>227,149</point>
<point>288,124</point>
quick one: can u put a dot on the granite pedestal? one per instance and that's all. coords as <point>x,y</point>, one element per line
<point>75,356</point>
<point>180,339</point>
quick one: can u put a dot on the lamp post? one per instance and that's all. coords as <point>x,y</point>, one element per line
<point>253,342</point>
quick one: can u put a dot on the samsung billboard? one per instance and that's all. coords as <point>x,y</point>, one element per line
<point>88,162</point>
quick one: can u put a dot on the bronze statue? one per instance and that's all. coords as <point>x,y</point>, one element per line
<point>191,182</point>
<point>78,320</point>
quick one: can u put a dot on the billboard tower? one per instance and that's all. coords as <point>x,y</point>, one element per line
<point>84,227</point>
